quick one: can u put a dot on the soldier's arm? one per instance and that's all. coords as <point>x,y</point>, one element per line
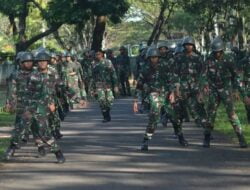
<point>236,80</point>
<point>11,93</point>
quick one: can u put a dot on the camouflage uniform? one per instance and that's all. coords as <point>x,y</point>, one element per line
<point>157,84</point>
<point>104,77</point>
<point>124,71</point>
<point>70,76</point>
<point>18,97</point>
<point>82,75</point>
<point>190,77</point>
<point>244,68</point>
<point>222,78</point>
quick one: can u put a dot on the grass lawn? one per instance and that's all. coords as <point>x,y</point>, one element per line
<point>6,119</point>
<point>223,125</point>
<point>4,143</point>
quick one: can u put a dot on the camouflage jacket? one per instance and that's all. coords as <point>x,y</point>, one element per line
<point>222,74</point>
<point>189,72</point>
<point>244,71</point>
<point>123,64</point>
<point>17,92</point>
<point>42,91</point>
<point>154,79</point>
<point>104,74</point>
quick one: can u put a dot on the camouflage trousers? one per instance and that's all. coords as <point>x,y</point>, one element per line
<point>215,98</point>
<point>157,103</point>
<point>105,98</point>
<point>73,84</point>
<point>248,106</point>
<point>196,108</point>
<point>41,131</point>
<point>54,121</point>
<point>20,131</point>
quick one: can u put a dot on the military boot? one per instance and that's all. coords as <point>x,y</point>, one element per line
<point>242,141</point>
<point>108,115</point>
<point>182,140</point>
<point>206,142</point>
<point>105,116</point>
<point>248,115</point>
<point>59,135</point>
<point>41,151</point>
<point>10,152</point>
<point>60,158</point>
<point>144,146</point>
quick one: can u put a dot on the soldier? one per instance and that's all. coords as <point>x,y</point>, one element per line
<point>144,106</point>
<point>87,65</point>
<point>244,69</point>
<point>56,117</point>
<point>165,52</point>
<point>70,75</point>
<point>158,86</point>
<point>18,99</point>
<point>140,59</point>
<point>189,75</point>
<point>184,105</point>
<point>222,78</point>
<point>110,55</point>
<point>82,76</point>
<point>166,55</point>
<point>42,92</point>
<point>124,71</point>
<point>104,77</point>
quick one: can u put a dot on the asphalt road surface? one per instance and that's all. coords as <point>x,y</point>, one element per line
<point>107,156</point>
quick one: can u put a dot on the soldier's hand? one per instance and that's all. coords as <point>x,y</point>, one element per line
<point>52,107</point>
<point>206,90</point>
<point>172,98</point>
<point>135,107</point>
<point>200,98</point>
<point>8,108</point>
<point>27,115</point>
<point>116,89</point>
<point>247,100</point>
<point>236,96</point>
<point>83,104</point>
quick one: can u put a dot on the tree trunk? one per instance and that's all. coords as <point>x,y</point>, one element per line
<point>23,45</point>
<point>98,32</point>
<point>159,23</point>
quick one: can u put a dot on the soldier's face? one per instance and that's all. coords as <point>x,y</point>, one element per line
<point>189,48</point>
<point>218,54</point>
<point>154,60</point>
<point>53,61</point>
<point>42,65</point>
<point>27,65</point>
<point>68,58</point>
<point>99,55</point>
<point>163,50</point>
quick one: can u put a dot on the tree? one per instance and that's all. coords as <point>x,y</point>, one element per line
<point>112,10</point>
<point>55,13</point>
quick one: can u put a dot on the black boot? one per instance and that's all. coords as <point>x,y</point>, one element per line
<point>206,142</point>
<point>144,146</point>
<point>105,119</point>
<point>182,140</point>
<point>108,115</point>
<point>10,152</point>
<point>42,151</point>
<point>242,141</point>
<point>248,115</point>
<point>60,158</point>
<point>59,135</point>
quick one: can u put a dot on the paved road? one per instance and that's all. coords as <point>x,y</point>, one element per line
<point>106,157</point>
